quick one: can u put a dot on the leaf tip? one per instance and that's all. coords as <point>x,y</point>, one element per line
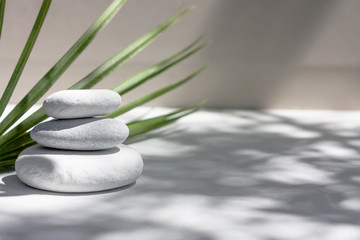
<point>189,9</point>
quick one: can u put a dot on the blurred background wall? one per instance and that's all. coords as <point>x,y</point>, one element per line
<point>265,53</point>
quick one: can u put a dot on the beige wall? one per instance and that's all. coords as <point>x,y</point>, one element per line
<point>265,53</point>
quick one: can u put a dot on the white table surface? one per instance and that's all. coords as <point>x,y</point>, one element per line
<point>273,175</point>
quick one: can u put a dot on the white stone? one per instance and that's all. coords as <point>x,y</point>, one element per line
<point>81,103</point>
<point>81,133</point>
<point>77,171</point>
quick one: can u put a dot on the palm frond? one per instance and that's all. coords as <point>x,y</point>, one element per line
<point>8,162</point>
<point>24,55</point>
<point>143,126</point>
<point>153,95</point>
<point>59,68</point>
<point>21,128</point>
<point>129,84</point>
<point>156,69</point>
<point>126,54</point>
<point>13,141</point>
<point>16,143</point>
<point>2,11</point>
<point>136,128</point>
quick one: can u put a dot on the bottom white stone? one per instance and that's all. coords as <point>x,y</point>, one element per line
<point>78,171</point>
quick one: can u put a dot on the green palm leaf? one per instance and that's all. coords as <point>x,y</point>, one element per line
<point>8,162</point>
<point>130,83</point>
<point>2,11</point>
<point>55,72</point>
<point>25,138</point>
<point>153,95</point>
<point>155,70</point>
<point>16,143</point>
<point>24,55</point>
<point>14,133</point>
<point>135,127</point>
<point>126,54</point>
<point>143,126</point>
<point>18,138</point>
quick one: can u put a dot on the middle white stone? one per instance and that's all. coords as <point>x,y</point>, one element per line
<point>81,134</point>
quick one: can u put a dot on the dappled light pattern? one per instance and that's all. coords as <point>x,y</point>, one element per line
<point>274,175</point>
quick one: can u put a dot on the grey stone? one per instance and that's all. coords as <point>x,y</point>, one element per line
<point>77,171</point>
<point>81,133</point>
<point>81,103</point>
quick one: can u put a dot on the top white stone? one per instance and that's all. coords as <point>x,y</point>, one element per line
<point>81,103</point>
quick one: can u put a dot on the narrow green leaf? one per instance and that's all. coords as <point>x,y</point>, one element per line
<point>55,72</point>
<point>24,55</point>
<point>2,12</point>
<point>5,157</point>
<point>148,128</point>
<point>7,163</point>
<point>14,148</point>
<point>156,69</point>
<point>143,126</point>
<point>148,73</point>
<point>126,54</point>
<point>136,127</point>
<point>153,95</point>
<point>22,127</point>
<point>16,143</point>
<point>17,149</point>
<point>23,146</point>
<point>135,124</point>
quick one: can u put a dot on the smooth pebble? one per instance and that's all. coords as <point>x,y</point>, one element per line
<point>81,133</point>
<point>67,104</point>
<point>75,171</point>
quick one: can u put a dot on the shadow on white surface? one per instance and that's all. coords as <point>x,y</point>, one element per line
<point>12,186</point>
<point>282,175</point>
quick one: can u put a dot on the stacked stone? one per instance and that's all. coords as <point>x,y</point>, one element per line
<point>77,151</point>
